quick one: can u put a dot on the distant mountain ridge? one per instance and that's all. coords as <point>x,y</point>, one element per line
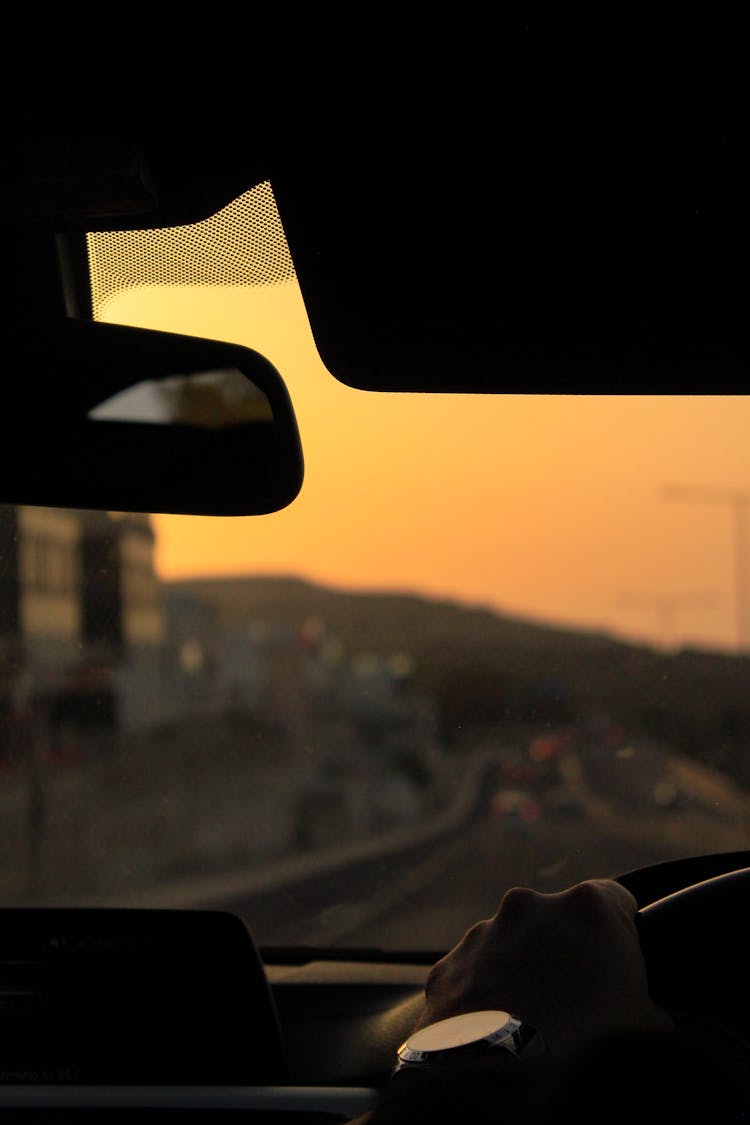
<point>378,620</point>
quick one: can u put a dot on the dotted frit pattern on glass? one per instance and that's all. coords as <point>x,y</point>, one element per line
<point>243,244</point>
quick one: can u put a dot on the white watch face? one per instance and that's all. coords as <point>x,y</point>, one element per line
<point>457,1031</point>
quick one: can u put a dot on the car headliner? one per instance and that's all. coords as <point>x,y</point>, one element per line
<point>449,235</point>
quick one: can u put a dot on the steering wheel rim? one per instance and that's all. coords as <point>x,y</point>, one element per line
<point>695,944</point>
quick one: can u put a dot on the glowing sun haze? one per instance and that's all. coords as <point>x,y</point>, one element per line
<point>544,506</point>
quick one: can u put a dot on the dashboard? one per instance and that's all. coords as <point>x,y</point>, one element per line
<point>169,1011</point>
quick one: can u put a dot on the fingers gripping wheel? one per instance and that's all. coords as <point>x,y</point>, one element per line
<point>696,944</point>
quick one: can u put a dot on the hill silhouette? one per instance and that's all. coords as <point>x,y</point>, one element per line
<point>378,620</point>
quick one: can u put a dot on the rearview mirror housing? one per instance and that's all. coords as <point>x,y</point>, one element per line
<point>104,416</point>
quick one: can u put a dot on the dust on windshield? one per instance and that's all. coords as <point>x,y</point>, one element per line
<point>496,640</point>
<point>341,768</point>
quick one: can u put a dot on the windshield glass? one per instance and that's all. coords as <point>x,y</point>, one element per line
<point>496,640</point>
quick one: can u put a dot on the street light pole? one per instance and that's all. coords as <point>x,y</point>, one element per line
<point>739,502</point>
<point>741,509</point>
<point>666,606</point>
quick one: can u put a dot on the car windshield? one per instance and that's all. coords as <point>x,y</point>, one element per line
<point>496,640</point>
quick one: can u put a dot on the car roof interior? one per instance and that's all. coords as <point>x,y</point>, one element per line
<point>508,232</point>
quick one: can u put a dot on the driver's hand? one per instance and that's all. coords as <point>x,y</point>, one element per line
<point>570,964</point>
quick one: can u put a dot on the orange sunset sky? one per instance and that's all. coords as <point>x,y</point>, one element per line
<point>550,507</point>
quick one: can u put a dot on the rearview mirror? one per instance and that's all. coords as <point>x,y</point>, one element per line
<point>124,419</point>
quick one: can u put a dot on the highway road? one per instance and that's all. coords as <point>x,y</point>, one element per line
<point>425,897</point>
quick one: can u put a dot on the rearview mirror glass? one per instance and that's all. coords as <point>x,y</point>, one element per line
<point>125,419</point>
<point>210,399</point>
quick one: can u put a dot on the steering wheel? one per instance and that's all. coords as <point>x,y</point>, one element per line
<point>696,939</point>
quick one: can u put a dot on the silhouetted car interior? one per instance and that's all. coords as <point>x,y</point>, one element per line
<point>245,805</point>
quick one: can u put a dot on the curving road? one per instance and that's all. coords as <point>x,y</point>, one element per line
<point>636,807</point>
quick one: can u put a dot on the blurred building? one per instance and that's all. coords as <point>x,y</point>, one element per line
<point>81,621</point>
<point>192,666</point>
<point>120,595</point>
<point>40,605</point>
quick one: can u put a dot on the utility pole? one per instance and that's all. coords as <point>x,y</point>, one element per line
<point>666,606</point>
<point>739,503</point>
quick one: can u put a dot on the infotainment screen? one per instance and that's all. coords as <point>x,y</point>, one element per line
<point>133,997</point>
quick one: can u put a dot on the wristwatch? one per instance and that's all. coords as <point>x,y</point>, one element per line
<point>463,1037</point>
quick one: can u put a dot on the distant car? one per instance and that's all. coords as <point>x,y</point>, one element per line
<point>515,770</point>
<point>667,795</point>
<point>564,800</point>
<point>516,805</point>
